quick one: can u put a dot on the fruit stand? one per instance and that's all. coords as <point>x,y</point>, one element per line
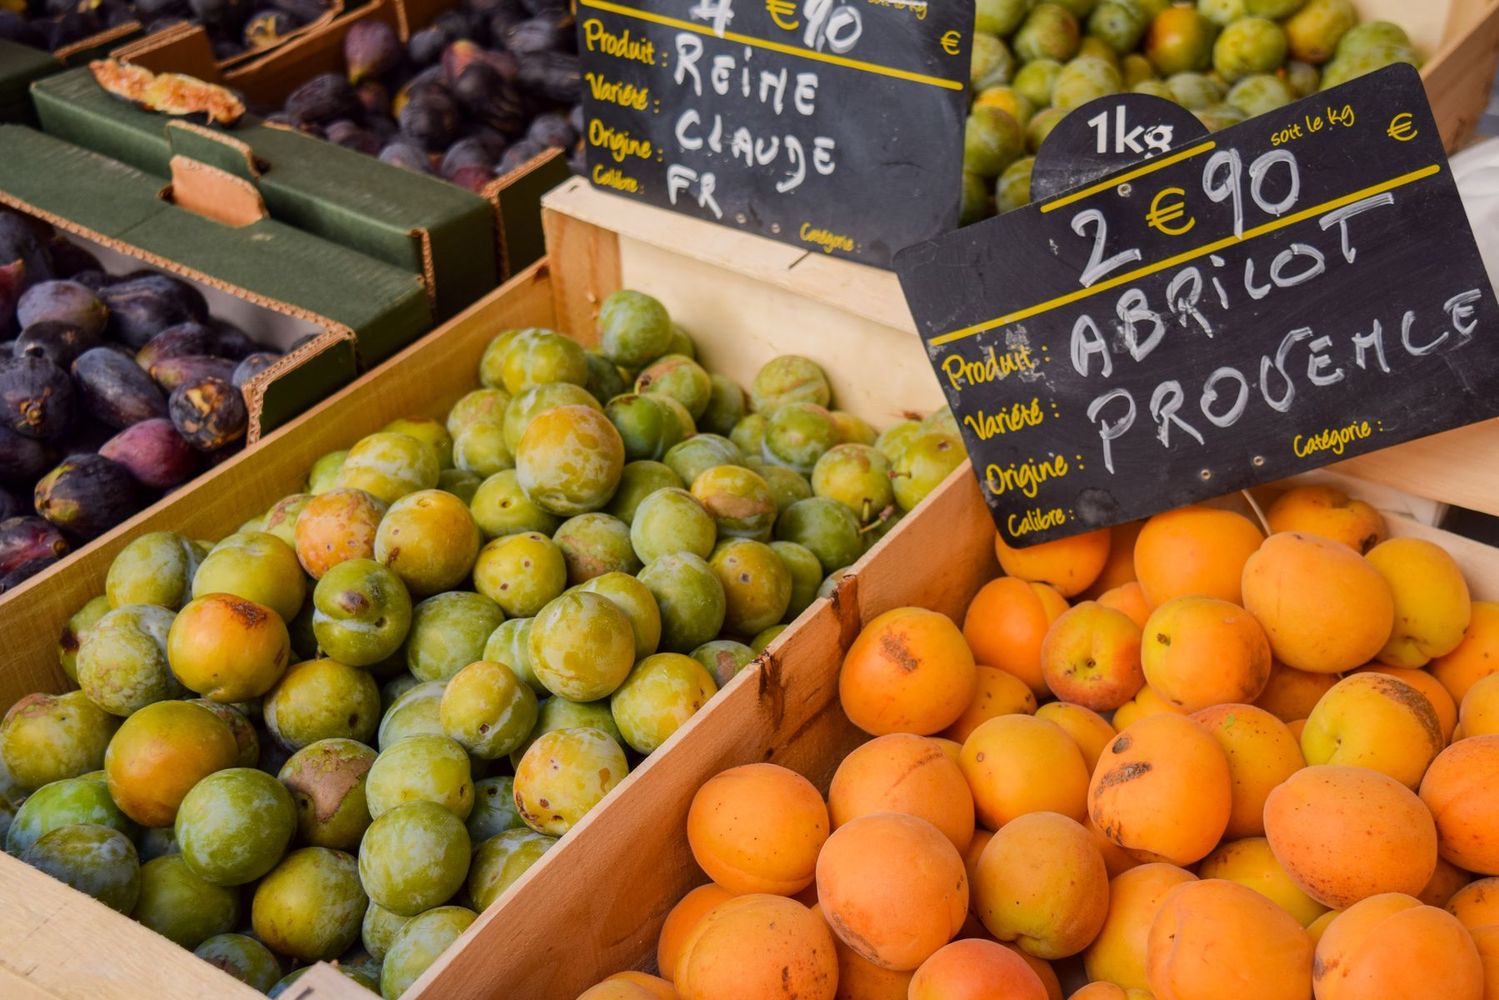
<point>642,630</point>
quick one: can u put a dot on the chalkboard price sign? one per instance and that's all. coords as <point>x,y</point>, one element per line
<point>1295,290</point>
<point>833,125</point>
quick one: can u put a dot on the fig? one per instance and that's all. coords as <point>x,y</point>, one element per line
<point>116,391</point>
<point>426,46</point>
<point>11,277</point>
<point>229,341</point>
<point>371,48</point>
<point>552,129</point>
<point>9,506</point>
<point>143,305</point>
<point>251,366</point>
<point>19,240</point>
<point>555,76</point>
<point>22,459</point>
<point>170,373</point>
<point>465,153</point>
<point>57,341</point>
<point>154,453</point>
<point>209,412</point>
<point>430,118</point>
<point>24,572</point>
<point>352,135</point>
<point>406,155</point>
<point>175,342</point>
<point>519,155</point>
<point>37,398</point>
<point>325,98</point>
<point>546,32</point>
<point>23,539</point>
<point>265,28</point>
<point>86,495</point>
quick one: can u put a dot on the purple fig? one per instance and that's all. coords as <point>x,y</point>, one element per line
<point>305,11</point>
<point>468,152</point>
<point>92,280</point>
<point>20,240</point>
<point>519,155</point>
<point>371,49</point>
<point>542,6</point>
<point>116,390</point>
<point>426,46</point>
<point>373,97</point>
<point>265,28</point>
<point>59,342</point>
<point>36,397</point>
<point>9,505</point>
<point>325,98</point>
<point>23,459</point>
<point>86,495</point>
<point>555,76</point>
<point>473,179</point>
<point>430,118</point>
<point>170,373</point>
<point>252,366</point>
<point>352,135</point>
<point>12,277</point>
<point>62,301</point>
<point>229,341</point>
<point>70,259</point>
<point>27,537</point>
<point>154,453</point>
<point>547,32</point>
<point>552,130</point>
<point>175,342</point>
<point>210,413</point>
<point>143,305</point>
<point>24,572</point>
<point>406,155</point>
<point>459,56</point>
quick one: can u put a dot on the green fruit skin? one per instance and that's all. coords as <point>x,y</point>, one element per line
<point>281,519</point>
<point>500,860</point>
<point>430,432</point>
<point>756,584</point>
<point>379,929</point>
<point>679,377</point>
<point>414,713</point>
<point>322,699</point>
<point>739,499</point>
<point>242,957</point>
<point>96,860</point>
<point>1249,46</point>
<point>234,825</point>
<point>362,612</point>
<point>500,507</point>
<point>787,486</point>
<point>726,405</point>
<point>559,713</point>
<point>481,449</point>
<point>537,400</point>
<point>82,620</point>
<point>421,768</point>
<point>521,573</point>
<point>418,945</point>
<point>429,540</point>
<point>661,693</point>
<point>326,780</point>
<point>797,435</point>
<point>638,481</point>
<point>45,738</point>
<point>122,664</point>
<point>723,658</point>
<point>647,426</point>
<point>537,357</point>
<point>857,476</point>
<point>1050,32</point>
<point>179,905</point>
<point>156,842</point>
<point>569,460</point>
<point>1000,17</point>
<point>510,644</point>
<point>257,566</point>
<point>448,632</point>
<point>323,476</point>
<point>156,568</point>
<point>749,434</point>
<point>826,528</point>
<point>1085,79</point>
<point>635,600</point>
<point>789,378</point>
<point>806,576</point>
<point>388,465</point>
<point>65,803</point>
<point>564,774</point>
<point>595,544</point>
<point>690,597</point>
<point>243,729</point>
<point>633,328</point>
<point>494,809</point>
<point>311,905</point>
<point>414,857</point>
<point>924,465</point>
<point>487,709</point>
<point>582,646</point>
<point>478,404</point>
<point>604,378</point>
<point>765,638</point>
<point>670,521</point>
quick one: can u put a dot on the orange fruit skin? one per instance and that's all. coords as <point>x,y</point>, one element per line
<point>1461,788</point>
<point>1476,903</point>
<point>159,753</point>
<point>1262,753</point>
<point>909,671</point>
<point>1042,883</point>
<point>758,829</point>
<point>1019,764</point>
<point>906,774</point>
<point>1423,681</point>
<point>1089,730</point>
<point>1215,938</point>
<point>1119,569</point>
<point>1006,622</point>
<point>1476,656</point>
<point>1068,564</point>
<point>1197,652</point>
<point>1291,694</point>
<point>997,692</point>
<point>1328,512</point>
<point>681,921</point>
<point>1390,945</point>
<point>1091,657</point>
<point>976,970</point>
<point>759,946</point>
<point>1117,954</point>
<point>1194,550</point>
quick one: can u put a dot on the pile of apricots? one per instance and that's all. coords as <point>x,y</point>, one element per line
<point>1173,760</point>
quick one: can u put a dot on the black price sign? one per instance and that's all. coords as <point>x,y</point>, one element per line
<point>833,125</point>
<point>1292,291</point>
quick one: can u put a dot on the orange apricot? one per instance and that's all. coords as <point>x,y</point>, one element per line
<point>1392,946</point>
<point>1291,694</point>
<point>1200,651</point>
<point>1486,940</point>
<point>905,774</point>
<point>760,946</point>
<point>1432,604</point>
<point>1447,881</point>
<point>1476,903</point>
<point>1261,754</point>
<point>1194,550</point>
<point>1091,657</point>
<point>1215,938</point>
<point>1318,927</point>
<point>681,921</point>
<point>1328,512</point>
<point>1462,791</point>
<point>1162,790</point>
<point>1324,607</point>
<point>909,671</point>
<point>1115,858</point>
<point>1347,833</point>
<point>1040,966</point>
<point>1043,885</point>
<point>1108,991</point>
<point>1476,657</point>
<point>1480,709</point>
<point>159,753</point>
<point>1129,598</point>
<point>757,829</point>
<point>950,747</point>
<point>1068,564</point>
<point>1117,954</point>
<point>647,987</point>
<point>997,692</point>
<point>1018,764</point>
<point>1377,721</point>
<point>1119,569</point>
<point>1252,864</point>
<point>1145,703</point>
<point>1006,622</point>
<point>861,979</point>
<point>893,888</point>
<point>1423,681</point>
<point>976,970</point>
<point>1089,730</point>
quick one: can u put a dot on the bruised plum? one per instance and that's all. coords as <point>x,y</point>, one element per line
<point>210,413</point>
<point>175,342</point>
<point>36,397</point>
<point>251,366</point>
<point>57,341</point>
<point>170,373</point>
<point>154,453</point>
<point>23,539</point>
<point>143,305</point>
<point>22,458</point>
<point>61,302</point>
<point>86,495</point>
<point>115,390</point>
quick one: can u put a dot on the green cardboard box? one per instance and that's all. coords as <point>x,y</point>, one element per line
<point>19,66</point>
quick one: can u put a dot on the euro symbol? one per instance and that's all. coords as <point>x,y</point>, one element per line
<point>1402,128</point>
<point>781,12</point>
<point>950,42</point>
<point>1161,216</point>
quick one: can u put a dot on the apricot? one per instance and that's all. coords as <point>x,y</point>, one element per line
<point>1089,730</point>
<point>1476,903</point>
<point>1115,858</point>
<point>997,692</point>
<point>615,988</point>
<point>1091,657</point>
<point>952,748</point>
<point>1480,709</point>
<point>760,946</point>
<point>1486,940</point>
<point>1390,945</point>
<point>1346,833</point>
<point>1042,884</point>
<point>1018,764</point>
<point>1200,651</point>
<point>1129,598</point>
<point>1261,754</point>
<point>682,920</point>
<point>1040,966</point>
<point>1108,991</point>
<point>861,979</point>
<point>1194,550</point>
<point>646,986</point>
<point>1446,882</point>
<point>1376,721</point>
<point>1329,513</point>
<point>1117,954</point>
<point>1462,791</point>
<point>159,753</point>
<point>1252,864</point>
<point>1324,607</point>
<point>1068,564</point>
<point>1119,568</point>
<point>1146,703</point>
<point>905,774</point>
<point>1291,694</point>
<point>1475,657</point>
<point>1423,681</point>
<point>1162,790</point>
<point>1006,622</point>
<point>976,970</point>
<point>893,888</point>
<point>1217,939</point>
<point>1318,927</point>
<point>909,671</point>
<point>757,829</point>
<point>1432,605</point>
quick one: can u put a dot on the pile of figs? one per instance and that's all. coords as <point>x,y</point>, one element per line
<point>113,390</point>
<point>486,87</point>
<point>234,26</point>
<point>344,730</point>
